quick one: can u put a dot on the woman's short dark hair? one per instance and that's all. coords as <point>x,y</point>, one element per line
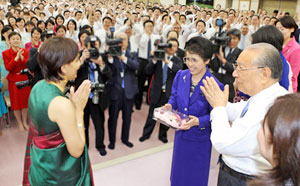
<point>49,21</point>
<point>59,27</point>
<point>200,46</point>
<point>40,22</point>
<point>36,29</point>
<point>288,22</point>
<point>283,122</point>
<point>20,19</point>
<point>74,22</point>
<point>59,15</point>
<point>13,34</point>
<point>83,32</point>
<point>268,34</point>
<point>85,27</point>
<point>34,18</point>
<point>5,29</point>
<point>53,54</point>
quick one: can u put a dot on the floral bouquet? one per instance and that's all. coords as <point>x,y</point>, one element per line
<point>170,118</point>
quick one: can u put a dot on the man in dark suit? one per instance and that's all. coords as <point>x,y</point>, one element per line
<point>163,74</point>
<point>222,64</point>
<point>123,87</point>
<point>98,73</point>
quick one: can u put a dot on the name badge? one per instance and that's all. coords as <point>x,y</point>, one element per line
<point>122,74</point>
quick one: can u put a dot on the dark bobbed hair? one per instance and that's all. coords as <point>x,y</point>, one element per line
<point>74,22</point>
<point>5,29</point>
<point>235,32</point>
<point>53,54</point>
<point>83,32</point>
<point>20,19</point>
<point>288,22</point>
<point>85,27</point>
<point>268,34</point>
<point>40,22</point>
<point>59,27</point>
<point>200,46</point>
<point>283,122</point>
<point>49,21</point>
<point>36,29</point>
<point>34,18</point>
<point>59,15</point>
<point>13,34</point>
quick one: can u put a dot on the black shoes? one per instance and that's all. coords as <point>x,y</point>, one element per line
<point>143,138</point>
<point>111,146</point>
<point>128,144</point>
<point>102,151</point>
<point>164,140</point>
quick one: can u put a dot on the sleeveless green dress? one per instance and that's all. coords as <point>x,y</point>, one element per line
<point>52,164</point>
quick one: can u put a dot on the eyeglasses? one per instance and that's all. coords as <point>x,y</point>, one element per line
<point>187,59</point>
<point>239,68</point>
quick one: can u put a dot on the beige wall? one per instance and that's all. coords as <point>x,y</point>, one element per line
<point>221,2</point>
<point>286,5</point>
<point>254,5</point>
<point>298,8</point>
<point>167,2</point>
<point>235,4</point>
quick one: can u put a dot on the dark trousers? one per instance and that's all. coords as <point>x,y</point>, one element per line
<point>142,77</point>
<point>150,123</point>
<point>229,177</point>
<point>97,115</point>
<point>125,105</point>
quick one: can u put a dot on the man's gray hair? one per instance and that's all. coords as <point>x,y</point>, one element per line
<point>268,56</point>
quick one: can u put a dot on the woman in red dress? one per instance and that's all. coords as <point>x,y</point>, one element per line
<point>15,60</point>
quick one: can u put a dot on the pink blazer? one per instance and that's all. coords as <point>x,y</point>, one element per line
<point>292,54</point>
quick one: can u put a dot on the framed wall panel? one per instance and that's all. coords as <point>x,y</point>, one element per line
<point>244,4</point>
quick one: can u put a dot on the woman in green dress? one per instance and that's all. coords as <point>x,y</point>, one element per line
<point>57,154</point>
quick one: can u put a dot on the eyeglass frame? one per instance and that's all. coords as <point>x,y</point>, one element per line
<point>239,69</point>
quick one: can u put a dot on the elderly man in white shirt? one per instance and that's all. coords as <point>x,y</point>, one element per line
<point>235,125</point>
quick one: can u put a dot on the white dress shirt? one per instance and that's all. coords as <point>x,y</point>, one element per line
<point>143,44</point>
<point>237,142</point>
<point>248,40</point>
<point>102,34</point>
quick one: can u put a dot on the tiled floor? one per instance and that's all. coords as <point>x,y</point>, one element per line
<point>147,163</point>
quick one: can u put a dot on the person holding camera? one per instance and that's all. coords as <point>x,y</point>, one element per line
<point>222,64</point>
<point>123,87</point>
<point>94,69</point>
<point>15,60</point>
<point>163,73</point>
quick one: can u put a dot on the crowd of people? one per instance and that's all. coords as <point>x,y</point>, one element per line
<point>234,73</point>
